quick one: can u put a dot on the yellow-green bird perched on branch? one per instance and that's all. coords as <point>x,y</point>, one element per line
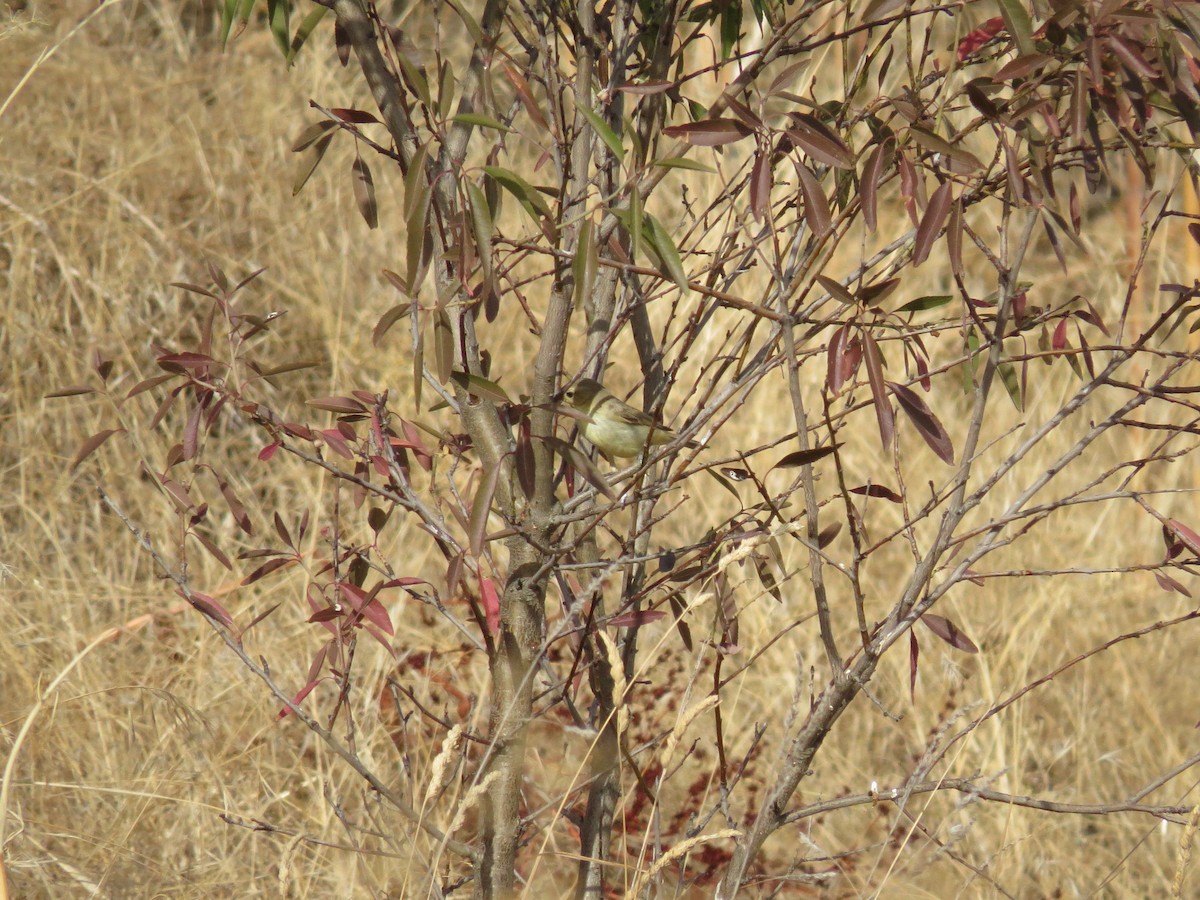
<point>615,427</point>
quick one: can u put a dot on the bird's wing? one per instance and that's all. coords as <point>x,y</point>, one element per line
<point>630,416</point>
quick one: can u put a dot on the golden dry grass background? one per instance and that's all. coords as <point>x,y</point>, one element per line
<point>138,152</point>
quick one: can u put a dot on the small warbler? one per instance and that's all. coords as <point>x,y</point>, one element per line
<point>614,427</point>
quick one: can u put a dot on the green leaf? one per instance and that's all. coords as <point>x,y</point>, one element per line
<point>606,133</point>
<point>480,386</point>
<point>234,11</point>
<point>527,195</point>
<point>479,120</point>
<point>662,244</point>
<point>586,262</point>
<point>1008,375</point>
<point>635,223</point>
<point>924,303</point>
<point>278,13</point>
<point>473,28</point>
<point>311,21</point>
<point>731,27</point>
<point>1019,25</point>
<point>681,162</point>
<point>972,361</point>
<point>482,225</point>
<point>416,258</point>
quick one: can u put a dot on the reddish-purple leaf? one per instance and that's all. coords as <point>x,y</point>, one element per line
<point>403,581</point>
<point>836,289</point>
<point>1087,352</point>
<point>1021,66</point>
<point>1059,341</point>
<point>645,88</point>
<point>1012,165</point>
<point>1167,583</point>
<point>826,535</point>
<point>883,406</point>
<point>389,318</point>
<point>336,443</point>
<point>491,603</point>
<point>1090,315</point>
<point>181,362</point>
<point>708,132</point>
<point>268,451</point>
<point>874,294</point>
<point>954,237</point>
<point>521,86</point>
<point>340,405</point>
<point>525,459</point>
<point>454,572</point>
<point>1185,534</point>
<point>816,206</point>
<point>191,433</point>
<point>949,632</point>
<point>1055,244</point>
<point>146,384</point>
<point>819,141</point>
<point>760,183</point>
<point>877,490</point>
<point>878,163</point>
<point>636,618</point>
<point>236,508</point>
<point>980,36</point>
<point>356,116</point>
<point>366,605</point>
<point>803,457</point>
<point>267,568</point>
<point>1127,51</point>
<point>678,608</point>
<point>923,372</point>
<point>931,222</point>
<point>1079,107</point>
<point>216,552</point>
<point>209,607</point>
<point>281,529</point>
<point>912,188</point>
<point>300,695</point>
<point>914,657</point>
<point>925,421</point>
<point>845,354</point>
<point>90,446</point>
<point>957,159</point>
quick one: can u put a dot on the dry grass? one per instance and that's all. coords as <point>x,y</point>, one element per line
<point>138,152</point>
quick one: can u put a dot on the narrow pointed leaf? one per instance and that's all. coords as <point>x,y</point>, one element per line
<point>816,206</point>
<point>605,132</point>
<point>877,164</point>
<point>364,192</point>
<point>708,132</point>
<point>90,446</point>
<point>884,415</point>
<point>927,424</point>
<point>315,155</point>
<point>949,632</point>
<point>931,222</point>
